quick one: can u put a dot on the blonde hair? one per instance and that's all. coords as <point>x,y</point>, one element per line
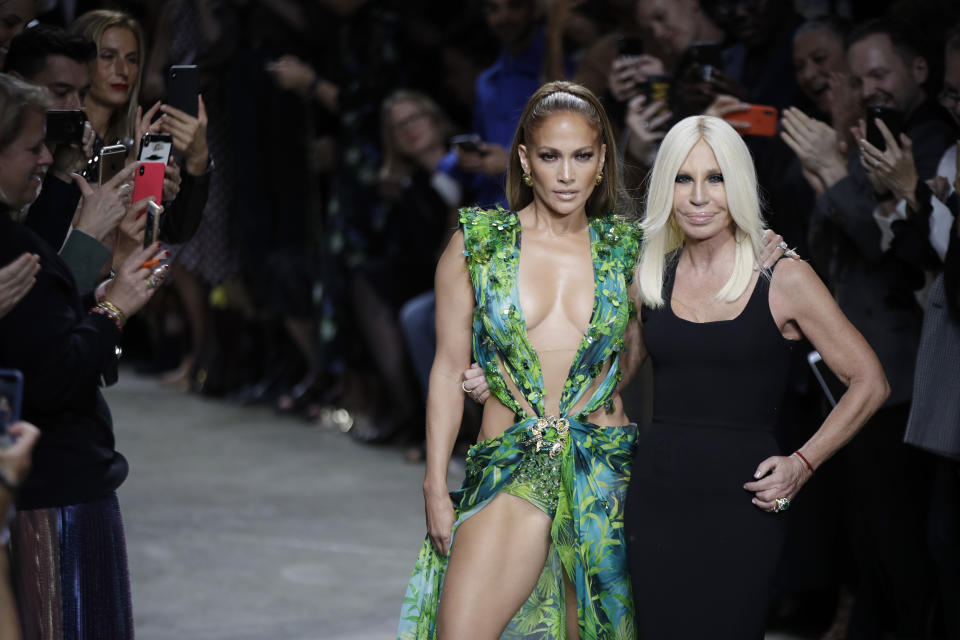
<point>92,25</point>
<point>567,97</point>
<point>394,163</point>
<point>662,235</point>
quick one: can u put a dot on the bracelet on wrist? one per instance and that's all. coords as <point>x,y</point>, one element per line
<point>805,461</point>
<point>110,310</point>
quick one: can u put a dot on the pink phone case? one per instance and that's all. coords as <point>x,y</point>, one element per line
<point>148,181</point>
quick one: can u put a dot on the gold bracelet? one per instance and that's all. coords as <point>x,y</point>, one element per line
<point>121,316</point>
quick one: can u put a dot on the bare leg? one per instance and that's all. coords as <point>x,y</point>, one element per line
<point>302,332</point>
<point>195,296</point>
<point>570,596</point>
<point>495,562</point>
<point>381,329</point>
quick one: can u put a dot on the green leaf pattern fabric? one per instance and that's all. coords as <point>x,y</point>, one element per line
<point>587,531</point>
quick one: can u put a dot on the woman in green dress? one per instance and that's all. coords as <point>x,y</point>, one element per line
<point>531,545</point>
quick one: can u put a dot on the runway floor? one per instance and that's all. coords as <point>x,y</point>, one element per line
<point>245,525</point>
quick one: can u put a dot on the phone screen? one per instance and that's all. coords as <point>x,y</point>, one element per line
<point>11,394</point>
<point>153,224</point>
<point>892,118</point>
<point>112,161</point>
<point>156,147</point>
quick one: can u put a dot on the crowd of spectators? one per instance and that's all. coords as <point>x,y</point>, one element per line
<point>308,197</point>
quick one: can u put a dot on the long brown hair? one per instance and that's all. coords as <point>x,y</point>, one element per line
<point>567,97</point>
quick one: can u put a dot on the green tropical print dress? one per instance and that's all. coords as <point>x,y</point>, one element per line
<point>585,467</point>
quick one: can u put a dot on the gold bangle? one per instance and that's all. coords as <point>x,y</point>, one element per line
<point>121,316</point>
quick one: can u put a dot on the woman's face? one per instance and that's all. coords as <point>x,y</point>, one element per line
<point>14,16</point>
<point>816,54</point>
<point>24,162</point>
<point>699,195</point>
<point>563,157</point>
<point>116,68</point>
<point>413,128</point>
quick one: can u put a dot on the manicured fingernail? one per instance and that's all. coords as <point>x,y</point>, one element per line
<point>166,253</point>
<point>756,475</point>
<point>159,244</point>
<point>753,500</point>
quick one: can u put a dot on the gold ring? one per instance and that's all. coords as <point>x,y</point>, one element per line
<point>781,504</point>
<point>463,385</point>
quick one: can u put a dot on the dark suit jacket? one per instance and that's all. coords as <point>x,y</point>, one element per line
<point>873,287</point>
<point>63,352</point>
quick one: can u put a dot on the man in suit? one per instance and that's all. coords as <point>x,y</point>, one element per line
<point>934,424</point>
<point>850,234</point>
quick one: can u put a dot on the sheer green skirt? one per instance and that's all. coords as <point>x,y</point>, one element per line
<point>587,544</point>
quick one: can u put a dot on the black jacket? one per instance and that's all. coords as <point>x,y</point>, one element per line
<point>63,352</point>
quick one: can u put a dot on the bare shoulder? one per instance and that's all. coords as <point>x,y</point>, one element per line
<point>797,293</point>
<point>791,276</point>
<point>453,254</point>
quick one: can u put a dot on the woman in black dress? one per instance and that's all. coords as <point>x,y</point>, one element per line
<point>703,531</point>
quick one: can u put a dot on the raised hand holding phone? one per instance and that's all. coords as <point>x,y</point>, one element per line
<point>104,206</point>
<point>133,287</point>
<point>189,134</point>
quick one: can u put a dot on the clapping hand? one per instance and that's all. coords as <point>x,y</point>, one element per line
<point>16,280</point>
<point>817,147</point>
<point>894,168</point>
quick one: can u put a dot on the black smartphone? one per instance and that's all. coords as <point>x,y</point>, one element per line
<point>830,384</point>
<point>629,46</point>
<point>65,126</point>
<point>183,88</point>
<point>155,147</point>
<point>469,142</point>
<point>153,224</point>
<point>708,56</point>
<point>11,395</point>
<point>658,88</point>
<point>112,160</point>
<point>892,118</point>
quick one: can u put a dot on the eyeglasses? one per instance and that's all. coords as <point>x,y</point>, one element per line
<point>949,98</point>
<point>411,119</point>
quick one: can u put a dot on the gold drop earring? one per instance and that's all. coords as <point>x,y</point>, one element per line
<point>528,179</point>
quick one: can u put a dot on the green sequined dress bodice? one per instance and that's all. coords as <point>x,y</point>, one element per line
<point>492,250</point>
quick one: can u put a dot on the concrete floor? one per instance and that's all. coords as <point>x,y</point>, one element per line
<point>244,525</point>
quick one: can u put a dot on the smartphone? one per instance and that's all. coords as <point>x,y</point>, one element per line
<point>112,160</point>
<point>183,88</point>
<point>148,181</point>
<point>658,88</point>
<point>155,147</point>
<point>830,384</point>
<point>11,395</point>
<point>762,120</point>
<point>469,142</point>
<point>153,224</point>
<point>893,118</point>
<point>629,46</point>
<point>65,126</point>
<point>708,56</point>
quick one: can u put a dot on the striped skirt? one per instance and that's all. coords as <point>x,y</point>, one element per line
<point>69,567</point>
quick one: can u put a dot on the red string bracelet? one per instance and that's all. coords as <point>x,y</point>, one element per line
<point>805,461</point>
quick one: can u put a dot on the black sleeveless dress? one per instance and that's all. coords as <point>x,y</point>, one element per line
<point>702,556</point>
